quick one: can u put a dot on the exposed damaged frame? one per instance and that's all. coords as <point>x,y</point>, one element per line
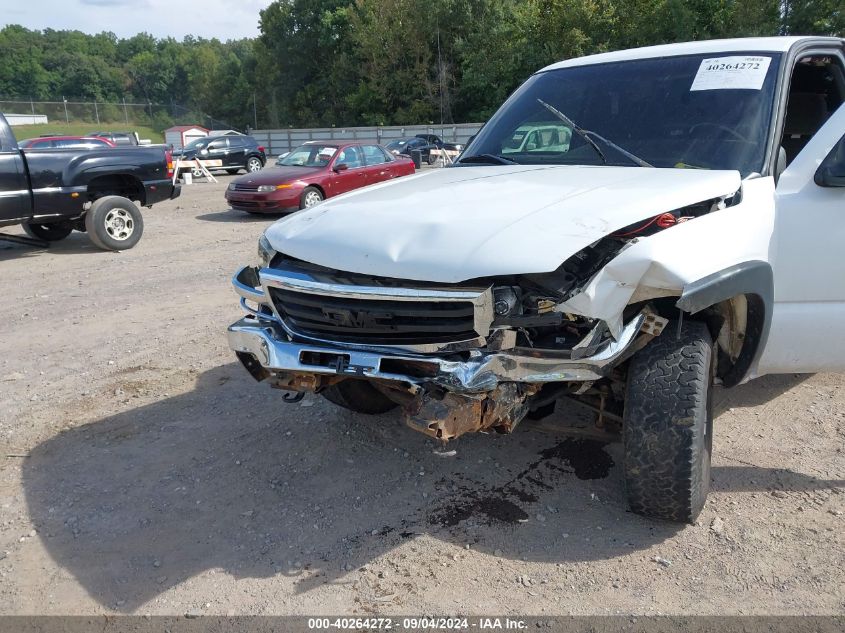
<point>275,351</point>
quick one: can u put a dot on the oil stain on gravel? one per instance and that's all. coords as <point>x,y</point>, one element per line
<point>587,458</point>
<point>584,458</point>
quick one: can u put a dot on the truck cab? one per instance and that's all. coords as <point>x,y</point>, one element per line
<point>685,237</point>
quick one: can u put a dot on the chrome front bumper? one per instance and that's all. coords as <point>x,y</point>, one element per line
<point>274,350</point>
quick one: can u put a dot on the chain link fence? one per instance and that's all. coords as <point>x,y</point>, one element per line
<point>121,114</point>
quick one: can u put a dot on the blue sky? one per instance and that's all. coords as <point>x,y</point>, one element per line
<point>223,19</point>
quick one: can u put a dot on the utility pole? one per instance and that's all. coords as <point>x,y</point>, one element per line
<point>254,111</point>
<point>67,120</point>
<point>125,113</point>
<point>96,112</point>
<point>440,73</point>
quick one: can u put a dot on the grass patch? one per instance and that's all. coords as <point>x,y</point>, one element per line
<point>81,129</point>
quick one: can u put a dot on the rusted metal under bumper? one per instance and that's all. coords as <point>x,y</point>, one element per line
<point>448,415</point>
<point>483,371</point>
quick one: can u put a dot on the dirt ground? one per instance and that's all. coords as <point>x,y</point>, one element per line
<point>143,471</point>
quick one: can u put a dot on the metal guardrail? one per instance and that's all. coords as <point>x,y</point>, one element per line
<point>284,140</point>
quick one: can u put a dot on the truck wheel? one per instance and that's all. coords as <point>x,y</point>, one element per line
<point>668,424</point>
<point>48,232</point>
<point>114,223</point>
<point>359,396</point>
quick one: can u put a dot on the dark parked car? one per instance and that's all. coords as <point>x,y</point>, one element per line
<point>439,143</point>
<point>233,153</point>
<point>52,192</point>
<point>315,171</point>
<point>404,146</point>
<point>65,142</point>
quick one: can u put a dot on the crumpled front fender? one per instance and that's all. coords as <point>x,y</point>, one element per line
<point>667,263</point>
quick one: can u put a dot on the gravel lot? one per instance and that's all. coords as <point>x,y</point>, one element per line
<point>143,471</point>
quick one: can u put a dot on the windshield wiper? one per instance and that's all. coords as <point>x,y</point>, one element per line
<point>493,159</point>
<point>639,161</point>
<point>585,134</point>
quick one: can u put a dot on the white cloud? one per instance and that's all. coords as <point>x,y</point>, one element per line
<point>223,19</point>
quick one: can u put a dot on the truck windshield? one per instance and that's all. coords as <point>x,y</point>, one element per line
<point>695,111</point>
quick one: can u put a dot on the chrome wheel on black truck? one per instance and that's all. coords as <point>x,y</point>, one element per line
<point>114,223</point>
<point>668,423</point>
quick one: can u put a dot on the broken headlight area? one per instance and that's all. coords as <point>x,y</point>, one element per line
<point>559,285</point>
<point>528,305</point>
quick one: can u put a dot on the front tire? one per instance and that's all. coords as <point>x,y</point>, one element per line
<point>48,232</point>
<point>668,424</point>
<point>311,196</point>
<point>114,223</point>
<point>359,396</point>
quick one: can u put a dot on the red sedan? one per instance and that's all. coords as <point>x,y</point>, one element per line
<point>313,172</point>
<point>65,142</point>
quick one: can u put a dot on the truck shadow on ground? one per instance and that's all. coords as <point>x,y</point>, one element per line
<point>75,244</point>
<point>229,477</point>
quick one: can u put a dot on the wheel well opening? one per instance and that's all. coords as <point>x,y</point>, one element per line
<point>737,325</point>
<point>320,189</point>
<point>117,185</point>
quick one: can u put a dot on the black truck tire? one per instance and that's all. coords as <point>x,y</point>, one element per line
<point>114,223</point>
<point>48,232</point>
<point>359,396</point>
<point>668,424</point>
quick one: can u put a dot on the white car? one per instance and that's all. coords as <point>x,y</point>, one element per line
<point>688,235</point>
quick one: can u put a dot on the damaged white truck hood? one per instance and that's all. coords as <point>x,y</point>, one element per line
<point>450,225</point>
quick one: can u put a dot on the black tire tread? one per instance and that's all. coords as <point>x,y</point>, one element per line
<point>359,396</point>
<point>48,232</point>
<point>668,424</point>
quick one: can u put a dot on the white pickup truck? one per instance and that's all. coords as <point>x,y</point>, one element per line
<point>689,234</point>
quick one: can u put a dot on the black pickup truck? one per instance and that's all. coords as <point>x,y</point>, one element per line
<point>53,192</point>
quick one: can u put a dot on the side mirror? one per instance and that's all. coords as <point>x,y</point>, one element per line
<point>831,173</point>
<point>341,167</point>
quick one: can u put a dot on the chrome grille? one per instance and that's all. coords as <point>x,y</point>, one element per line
<point>329,305</point>
<point>375,320</point>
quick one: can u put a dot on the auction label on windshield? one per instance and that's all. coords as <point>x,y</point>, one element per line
<point>731,73</point>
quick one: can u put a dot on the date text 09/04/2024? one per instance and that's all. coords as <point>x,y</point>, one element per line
<point>417,624</point>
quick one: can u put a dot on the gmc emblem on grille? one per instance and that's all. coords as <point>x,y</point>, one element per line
<point>355,318</point>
